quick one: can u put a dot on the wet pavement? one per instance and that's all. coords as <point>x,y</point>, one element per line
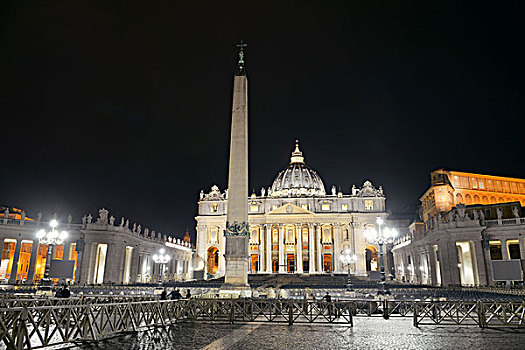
<point>367,333</point>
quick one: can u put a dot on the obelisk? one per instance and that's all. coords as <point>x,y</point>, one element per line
<point>237,229</point>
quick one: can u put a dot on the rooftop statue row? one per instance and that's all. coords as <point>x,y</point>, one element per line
<point>367,190</point>
<point>462,214</point>
<point>103,220</point>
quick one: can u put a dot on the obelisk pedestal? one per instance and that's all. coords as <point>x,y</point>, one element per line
<point>237,229</point>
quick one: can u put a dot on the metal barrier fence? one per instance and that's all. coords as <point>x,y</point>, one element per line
<point>41,326</point>
<point>33,326</point>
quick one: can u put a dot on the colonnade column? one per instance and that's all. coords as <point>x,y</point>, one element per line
<point>14,267</point>
<point>134,267</point>
<point>268,248</point>
<point>67,248</point>
<point>311,255</point>
<point>299,247</point>
<point>318,230</point>
<point>261,248</point>
<point>337,234</point>
<point>281,248</point>
<point>222,247</point>
<point>32,262</point>
<point>504,250</point>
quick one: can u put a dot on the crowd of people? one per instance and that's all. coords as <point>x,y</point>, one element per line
<point>63,292</point>
<point>175,294</point>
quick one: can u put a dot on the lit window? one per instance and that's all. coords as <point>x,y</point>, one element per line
<point>254,237</point>
<point>369,204</point>
<point>275,206</point>
<point>344,207</point>
<point>327,237</point>
<point>481,184</point>
<point>213,237</point>
<point>473,182</point>
<point>304,206</point>
<point>325,206</point>
<point>254,208</point>
<point>214,207</point>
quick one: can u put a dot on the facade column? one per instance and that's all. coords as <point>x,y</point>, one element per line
<point>268,233</point>
<point>32,262</point>
<point>337,251</point>
<point>311,255</point>
<point>504,250</point>
<point>281,249</point>
<point>14,268</point>
<point>67,248</point>
<point>318,230</point>
<point>134,267</point>
<point>431,268</point>
<point>222,251</point>
<point>299,247</point>
<point>261,249</point>
<point>522,252</point>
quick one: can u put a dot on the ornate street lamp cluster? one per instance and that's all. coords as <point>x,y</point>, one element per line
<point>52,238</point>
<point>381,236</point>
<point>162,259</point>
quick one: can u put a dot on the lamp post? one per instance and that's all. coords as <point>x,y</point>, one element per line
<point>348,258</point>
<point>161,259</point>
<point>381,236</point>
<point>51,238</point>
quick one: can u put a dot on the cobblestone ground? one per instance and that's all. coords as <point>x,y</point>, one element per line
<point>367,333</point>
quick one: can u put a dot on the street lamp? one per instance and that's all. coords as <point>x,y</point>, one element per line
<point>381,236</point>
<point>348,258</point>
<point>161,259</point>
<point>51,238</point>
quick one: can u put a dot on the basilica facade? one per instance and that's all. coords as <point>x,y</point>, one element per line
<point>295,225</point>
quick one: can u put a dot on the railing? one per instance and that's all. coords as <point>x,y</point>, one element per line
<point>32,325</point>
<point>480,313</point>
<point>41,326</point>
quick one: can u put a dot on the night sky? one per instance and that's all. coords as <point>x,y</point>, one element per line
<point>127,104</point>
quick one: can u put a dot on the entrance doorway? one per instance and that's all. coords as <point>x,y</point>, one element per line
<point>275,265</point>
<point>327,263</point>
<point>213,260</point>
<point>254,263</point>
<point>306,266</point>
<point>372,258</point>
<point>290,263</point>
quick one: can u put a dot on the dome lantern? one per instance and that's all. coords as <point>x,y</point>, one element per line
<point>297,179</point>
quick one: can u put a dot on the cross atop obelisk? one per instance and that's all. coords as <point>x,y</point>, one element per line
<point>240,64</point>
<point>237,229</point>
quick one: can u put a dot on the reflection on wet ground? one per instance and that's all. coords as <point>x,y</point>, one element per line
<point>367,333</point>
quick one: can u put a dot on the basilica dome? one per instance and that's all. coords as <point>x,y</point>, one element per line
<point>297,179</point>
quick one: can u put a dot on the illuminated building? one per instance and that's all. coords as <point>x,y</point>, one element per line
<point>295,226</point>
<point>449,187</point>
<point>102,251</point>
<point>472,232</point>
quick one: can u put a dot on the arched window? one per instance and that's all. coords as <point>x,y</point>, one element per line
<point>484,200</point>
<point>468,199</point>
<point>476,199</point>
<point>305,235</point>
<point>327,235</point>
<point>459,198</point>
<point>275,235</point>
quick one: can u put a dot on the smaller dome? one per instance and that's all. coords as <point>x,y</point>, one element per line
<point>297,179</point>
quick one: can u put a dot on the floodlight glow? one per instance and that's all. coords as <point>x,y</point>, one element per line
<point>53,223</point>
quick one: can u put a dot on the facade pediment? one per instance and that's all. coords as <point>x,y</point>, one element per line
<point>290,208</point>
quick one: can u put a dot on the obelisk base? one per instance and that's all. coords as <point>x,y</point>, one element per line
<point>236,277</point>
